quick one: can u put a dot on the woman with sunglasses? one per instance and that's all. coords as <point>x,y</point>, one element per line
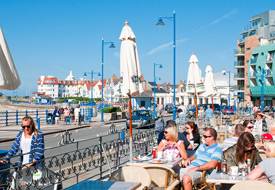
<point>266,168</point>
<point>192,133</point>
<point>248,126</point>
<point>29,139</point>
<point>171,144</point>
<point>245,149</point>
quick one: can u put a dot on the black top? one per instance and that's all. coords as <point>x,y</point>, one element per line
<point>196,136</point>
<point>181,137</point>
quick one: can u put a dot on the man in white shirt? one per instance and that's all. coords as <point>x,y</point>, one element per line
<point>239,129</point>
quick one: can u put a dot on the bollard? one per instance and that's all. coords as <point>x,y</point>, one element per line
<point>38,123</point>
<point>26,112</point>
<point>122,134</point>
<point>16,117</point>
<point>6,117</point>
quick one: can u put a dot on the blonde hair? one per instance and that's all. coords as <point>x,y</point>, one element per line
<point>173,132</point>
<point>32,124</point>
<point>270,146</point>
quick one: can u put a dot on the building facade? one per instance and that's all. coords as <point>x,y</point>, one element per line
<point>260,29</point>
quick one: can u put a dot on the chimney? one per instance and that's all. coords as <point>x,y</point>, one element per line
<point>142,77</point>
<point>168,83</point>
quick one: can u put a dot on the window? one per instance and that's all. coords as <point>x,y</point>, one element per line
<point>247,49</point>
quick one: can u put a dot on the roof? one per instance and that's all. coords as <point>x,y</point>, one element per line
<point>144,94</point>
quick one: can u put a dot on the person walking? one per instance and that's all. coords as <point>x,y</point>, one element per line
<point>76,114</point>
<point>209,115</point>
<point>56,115</point>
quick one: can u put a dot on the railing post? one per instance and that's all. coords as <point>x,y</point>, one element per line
<point>38,123</point>
<point>6,117</point>
<point>46,115</point>
<point>26,112</point>
<point>100,156</point>
<point>16,117</point>
<point>37,116</point>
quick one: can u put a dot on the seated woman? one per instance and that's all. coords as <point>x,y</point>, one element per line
<point>238,154</point>
<point>171,144</point>
<point>192,133</point>
<point>266,168</point>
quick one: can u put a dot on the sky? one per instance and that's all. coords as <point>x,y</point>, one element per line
<point>54,37</point>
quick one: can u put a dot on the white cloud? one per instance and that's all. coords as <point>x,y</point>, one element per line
<point>165,46</point>
<point>117,54</point>
<point>232,12</point>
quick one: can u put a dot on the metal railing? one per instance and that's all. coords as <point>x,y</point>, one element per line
<point>238,75</point>
<point>238,63</point>
<point>15,117</point>
<point>93,158</point>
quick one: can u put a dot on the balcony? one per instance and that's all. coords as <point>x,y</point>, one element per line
<point>241,41</point>
<point>238,88</point>
<point>239,76</point>
<point>269,59</point>
<point>239,52</point>
<point>252,74</point>
<point>238,64</point>
<point>253,61</point>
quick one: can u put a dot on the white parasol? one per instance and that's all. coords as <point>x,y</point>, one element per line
<point>129,62</point>
<point>195,85</point>
<point>209,84</point>
<point>9,78</point>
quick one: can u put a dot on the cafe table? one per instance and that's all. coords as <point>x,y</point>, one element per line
<point>221,178</point>
<point>105,185</point>
<point>167,163</point>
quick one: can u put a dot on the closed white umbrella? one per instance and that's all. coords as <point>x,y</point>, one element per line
<point>129,71</point>
<point>195,85</point>
<point>209,84</point>
<point>129,62</point>
<point>9,78</point>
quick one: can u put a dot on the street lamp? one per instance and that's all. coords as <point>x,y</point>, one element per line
<point>92,86</point>
<point>161,23</point>
<point>160,66</point>
<point>263,74</point>
<point>102,63</point>
<point>224,73</point>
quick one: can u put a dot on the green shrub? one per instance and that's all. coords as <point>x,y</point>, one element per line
<point>111,110</point>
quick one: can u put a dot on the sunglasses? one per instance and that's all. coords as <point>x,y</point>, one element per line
<point>24,126</point>
<point>250,127</point>
<point>205,136</point>
<point>165,132</point>
<point>250,150</point>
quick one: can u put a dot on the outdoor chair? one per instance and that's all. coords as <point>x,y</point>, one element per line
<point>162,177</point>
<point>132,174</point>
<point>204,184</point>
<point>253,185</point>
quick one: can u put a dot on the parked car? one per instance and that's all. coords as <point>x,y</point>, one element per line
<point>170,108</point>
<point>231,110</point>
<point>141,119</point>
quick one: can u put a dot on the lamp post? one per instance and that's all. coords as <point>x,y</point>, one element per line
<point>160,66</point>
<point>262,74</point>
<point>92,86</point>
<point>161,23</point>
<point>102,63</point>
<point>224,73</point>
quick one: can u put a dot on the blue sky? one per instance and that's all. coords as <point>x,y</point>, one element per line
<point>52,37</point>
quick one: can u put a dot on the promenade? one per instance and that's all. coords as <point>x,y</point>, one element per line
<point>9,133</point>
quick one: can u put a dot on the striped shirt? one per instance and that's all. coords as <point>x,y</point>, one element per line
<point>204,155</point>
<point>37,148</point>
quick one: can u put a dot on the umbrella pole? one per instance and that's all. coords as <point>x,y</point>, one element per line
<point>212,105</point>
<point>196,104</point>
<point>130,127</point>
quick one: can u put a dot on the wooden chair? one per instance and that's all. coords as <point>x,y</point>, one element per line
<point>253,185</point>
<point>132,174</point>
<point>162,177</point>
<point>203,185</point>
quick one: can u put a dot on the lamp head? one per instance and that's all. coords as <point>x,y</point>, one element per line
<point>160,22</point>
<point>85,74</point>
<point>159,78</point>
<point>112,45</point>
<point>160,66</point>
<point>99,74</point>
<point>224,72</point>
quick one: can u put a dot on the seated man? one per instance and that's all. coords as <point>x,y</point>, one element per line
<point>205,158</point>
<point>239,129</point>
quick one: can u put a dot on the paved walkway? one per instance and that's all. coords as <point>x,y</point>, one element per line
<point>9,133</point>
